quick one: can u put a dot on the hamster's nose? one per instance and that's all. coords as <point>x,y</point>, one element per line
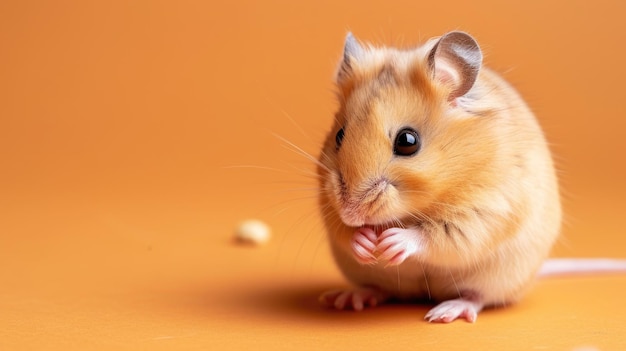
<point>375,189</point>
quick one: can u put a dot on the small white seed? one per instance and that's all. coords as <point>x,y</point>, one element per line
<point>253,232</point>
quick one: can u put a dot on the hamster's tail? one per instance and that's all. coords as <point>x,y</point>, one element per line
<point>581,266</point>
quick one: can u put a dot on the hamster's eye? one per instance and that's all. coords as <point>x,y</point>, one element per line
<point>339,137</point>
<point>407,143</point>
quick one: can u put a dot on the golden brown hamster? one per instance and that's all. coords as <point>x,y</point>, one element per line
<point>436,181</point>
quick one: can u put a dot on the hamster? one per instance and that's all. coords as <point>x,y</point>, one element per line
<point>436,181</point>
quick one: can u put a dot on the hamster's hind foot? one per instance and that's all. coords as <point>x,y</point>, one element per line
<point>463,307</point>
<point>356,298</point>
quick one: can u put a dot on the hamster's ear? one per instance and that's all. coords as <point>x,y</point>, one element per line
<point>455,61</point>
<point>352,52</point>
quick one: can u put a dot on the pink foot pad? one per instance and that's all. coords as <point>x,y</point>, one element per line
<point>357,298</point>
<point>451,310</point>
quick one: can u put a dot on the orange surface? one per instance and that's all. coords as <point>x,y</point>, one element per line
<point>129,136</point>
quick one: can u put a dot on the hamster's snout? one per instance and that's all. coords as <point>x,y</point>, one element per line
<point>362,204</point>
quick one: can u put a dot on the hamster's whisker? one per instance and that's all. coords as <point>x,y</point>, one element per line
<point>300,151</point>
<point>324,155</point>
<point>295,190</point>
<point>425,280</point>
<point>398,222</point>
<point>256,167</point>
<point>454,281</point>
<point>307,235</point>
<point>321,240</point>
<point>398,277</point>
<point>303,172</point>
<point>280,207</point>
<point>295,123</point>
<point>419,216</point>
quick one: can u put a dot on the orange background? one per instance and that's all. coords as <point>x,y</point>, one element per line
<point>134,135</point>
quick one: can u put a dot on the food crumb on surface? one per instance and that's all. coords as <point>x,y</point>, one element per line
<point>253,232</point>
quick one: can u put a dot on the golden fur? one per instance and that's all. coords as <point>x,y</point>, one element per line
<point>482,189</point>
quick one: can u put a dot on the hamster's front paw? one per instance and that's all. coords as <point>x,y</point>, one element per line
<point>396,244</point>
<point>363,245</point>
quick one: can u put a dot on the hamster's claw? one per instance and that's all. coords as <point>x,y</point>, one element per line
<point>451,310</point>
<point>363,245</point>
<point>357,298</point>
<point>395,245</point>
